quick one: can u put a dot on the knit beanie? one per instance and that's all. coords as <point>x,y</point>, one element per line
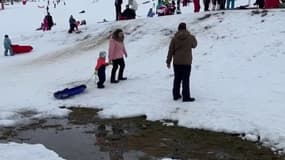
<point>102,54</point>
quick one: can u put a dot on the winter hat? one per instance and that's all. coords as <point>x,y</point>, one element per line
<point>182,26</point>
<point>102,54</point>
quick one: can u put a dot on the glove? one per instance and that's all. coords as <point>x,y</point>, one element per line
<point>168,65</point>
<point>96,72</point>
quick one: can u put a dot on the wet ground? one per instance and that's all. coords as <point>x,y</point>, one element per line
<point>85,136</point>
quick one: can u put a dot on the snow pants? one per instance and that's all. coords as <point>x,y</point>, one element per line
<point>101,76</point>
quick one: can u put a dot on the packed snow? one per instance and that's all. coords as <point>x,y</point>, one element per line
<point>27,151</point>
<point>237,72</point>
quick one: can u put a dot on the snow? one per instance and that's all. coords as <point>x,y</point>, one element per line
<point>31,152</point>
<point>237,73</point>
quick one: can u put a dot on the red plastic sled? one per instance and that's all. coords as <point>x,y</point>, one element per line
<point>18,49</point>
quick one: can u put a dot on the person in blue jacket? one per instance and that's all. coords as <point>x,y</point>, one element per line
<point>150,13</point>
<point>7,46</point>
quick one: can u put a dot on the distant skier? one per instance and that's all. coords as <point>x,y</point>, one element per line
<point>8,46</point>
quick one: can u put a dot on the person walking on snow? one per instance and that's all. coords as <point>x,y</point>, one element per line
<point>180,50</point>
<point>116,55</point>
<point>100,69</point>
<point>8,46</point>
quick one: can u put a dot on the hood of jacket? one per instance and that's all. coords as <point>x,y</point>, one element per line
<point>182,35</point>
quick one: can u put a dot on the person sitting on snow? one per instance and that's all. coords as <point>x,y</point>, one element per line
<point>128,13</point>
<point>100,69</point>
<point>8,46</point>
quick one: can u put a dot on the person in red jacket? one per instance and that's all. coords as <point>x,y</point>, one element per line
<point>100,69</point>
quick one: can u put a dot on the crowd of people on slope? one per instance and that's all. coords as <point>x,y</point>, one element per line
<point>180,48</point>
<point>167,7</point>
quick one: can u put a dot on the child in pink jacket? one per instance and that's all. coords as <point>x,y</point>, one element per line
<point>116,55</point>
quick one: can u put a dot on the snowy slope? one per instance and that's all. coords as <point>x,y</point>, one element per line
<point>237,76</point>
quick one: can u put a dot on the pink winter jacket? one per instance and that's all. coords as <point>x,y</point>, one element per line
<point>116,49</point>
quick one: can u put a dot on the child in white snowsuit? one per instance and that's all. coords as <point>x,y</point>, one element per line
<point>100,69</point>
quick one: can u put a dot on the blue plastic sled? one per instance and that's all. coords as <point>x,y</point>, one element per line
<point>69,92</point>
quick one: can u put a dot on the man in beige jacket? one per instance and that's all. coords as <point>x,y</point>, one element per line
<point>180,50</point>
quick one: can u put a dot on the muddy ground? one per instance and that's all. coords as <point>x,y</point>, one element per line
<point>83,135</point>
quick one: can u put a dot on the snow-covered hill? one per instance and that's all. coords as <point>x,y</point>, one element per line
<point>237,76</point>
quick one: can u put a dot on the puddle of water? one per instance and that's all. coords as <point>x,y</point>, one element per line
<point>71,141</point>
<point>84,136</point>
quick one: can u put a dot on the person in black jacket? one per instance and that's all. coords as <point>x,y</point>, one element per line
<point>118,5</point>
<point>49,20</point>
<point>72,24</point>
<point>129,13</point>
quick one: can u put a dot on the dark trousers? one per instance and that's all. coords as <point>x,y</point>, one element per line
<point>206,5</point>
<point>118,11</point>
<point>215,2</point>
<point>116,63</point>
<point>181,75</point>
<point>101,76</point>
<point>260,3</point>
<point>71,28</point>
<point>222,4</point>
